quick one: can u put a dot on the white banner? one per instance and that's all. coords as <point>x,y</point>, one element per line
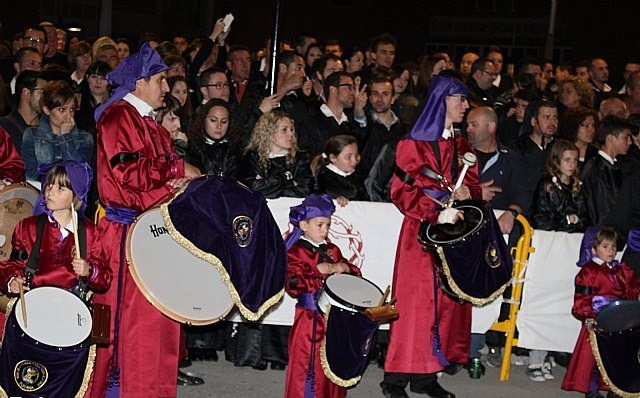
<point>367,234</point>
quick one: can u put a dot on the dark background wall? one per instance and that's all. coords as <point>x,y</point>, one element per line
<point>584,28</point>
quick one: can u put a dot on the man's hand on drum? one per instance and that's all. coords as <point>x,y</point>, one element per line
<point>462,193</point>
<point>190,172</point>
<point>81,267</point>
<point>14,284</point>
<point>335,268</point>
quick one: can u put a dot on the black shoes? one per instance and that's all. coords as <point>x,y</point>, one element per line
<point>391,391</point>
<point>453,368</point>
<point>187,380</point>
<point>185,363</point>
<point>435,390</point>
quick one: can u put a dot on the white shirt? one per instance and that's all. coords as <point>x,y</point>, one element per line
<point>607,157</point>
<point>336,170</point>
<point>142,107</point>
<point>327,112</point>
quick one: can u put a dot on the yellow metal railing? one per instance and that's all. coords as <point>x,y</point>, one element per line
<point>508,327</point>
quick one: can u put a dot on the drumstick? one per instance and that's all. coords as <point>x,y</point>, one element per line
<point>384,296</point>
<point>75,230</point>
<point>440,203</point>
<point>23,304</point>
<point>469,159</point>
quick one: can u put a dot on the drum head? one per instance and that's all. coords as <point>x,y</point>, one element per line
<point>16,203</point>
<point>619,316</point>
<point>353,291</point>
<point>55,317</point>
<point>474,218</point>
<point>179,284</point>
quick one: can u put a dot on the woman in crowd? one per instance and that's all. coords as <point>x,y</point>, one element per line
<point>578,125</point>
<point>179,89</point>
<point>79,58</point>
<point>170,116</point>
<point>575,92</point>
<point>430,66</point>
<point>93,92</point>
<point>57,137</point>
<point>314,51</point>
<point>353,59</point>
<point>213,140</point>
<point>272,164</point>
<point>124,48</point>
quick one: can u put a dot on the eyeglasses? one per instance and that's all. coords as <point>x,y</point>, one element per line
<point>218,85</point>
<point>460,97</point>
<point>36,89</point>
<point>34,39</point>
<point>492,74</point>
<point>349,87</point>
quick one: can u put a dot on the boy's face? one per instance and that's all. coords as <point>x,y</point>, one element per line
<point>316,229</point>
<point>58,197</point>
<point>606,250</point>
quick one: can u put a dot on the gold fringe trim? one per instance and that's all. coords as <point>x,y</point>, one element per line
<point>215,261</point>
<point>478,302</point>
<point>88,370</point>
<point>326,368</point>
<point>593,341</point>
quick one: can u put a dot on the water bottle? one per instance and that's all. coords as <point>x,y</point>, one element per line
<point>474,368</point>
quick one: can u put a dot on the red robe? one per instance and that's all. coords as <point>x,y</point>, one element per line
<point>148,340</point>
<point>54,267</point>
<point>410,345</point>
<point>302,264</point>
<point>11,165</point>
<point>618,281</point>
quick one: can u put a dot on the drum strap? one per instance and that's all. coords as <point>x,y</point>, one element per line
<point>123,157</point>
<point>32,263</point>
<point>322,251</point>
<point>454,160</point>
<point>584,289</point>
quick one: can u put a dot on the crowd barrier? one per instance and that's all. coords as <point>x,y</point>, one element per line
<point>367,234</point>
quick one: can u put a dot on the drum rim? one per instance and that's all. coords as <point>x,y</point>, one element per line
<point>153,300</point>
<point>343,302</point>
<point>429,242</point>
<point>40,289</point>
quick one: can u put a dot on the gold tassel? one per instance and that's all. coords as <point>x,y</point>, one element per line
<point>326,368</point>
<point>215,261</point>
<point>478,302</point>
<point>593,341</point>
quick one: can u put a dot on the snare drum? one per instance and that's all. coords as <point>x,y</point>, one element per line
<point>616,346</point>
<point>476,265</point>
<point>51,355</point>
<point>182,286</point>
<point>349,292</point>
<point>349,334</point>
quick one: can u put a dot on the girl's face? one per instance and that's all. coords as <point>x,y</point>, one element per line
<point>98,84</point>
<point>180,92</point>
<point>216,123</point>
<point>347,159</point>
<point>568,96</point>
<point>171,122</point>
<point>123,51</point>
<point>587,130</point>
<point>569,163</point>
<point>58,197</point>
<point>401,82</point>
<point>282,139</point>
<point>60,115</point>
<point>606,250</point>
<point>316,229</point>
<point>314,53</point>
<point>356,62</point>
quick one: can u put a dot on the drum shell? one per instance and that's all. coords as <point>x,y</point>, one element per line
<point>349,300</point>
<point>617,352</point>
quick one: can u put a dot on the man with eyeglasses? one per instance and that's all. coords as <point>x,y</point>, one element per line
<point>34,36</point>
<point>26,112</point>
<point>214,84</point>
<point>444,324</point>
<point>483,73</point>
<point>335,117</point>
<point>25,59</point>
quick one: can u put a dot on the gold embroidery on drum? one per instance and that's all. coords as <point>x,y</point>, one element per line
<point>491,256</point>
<point>30,376</point>
<point>242,230</point>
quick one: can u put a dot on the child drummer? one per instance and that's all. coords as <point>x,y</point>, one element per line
<point>311,259</point>
<point>66,182</point>
<point>601,281</point>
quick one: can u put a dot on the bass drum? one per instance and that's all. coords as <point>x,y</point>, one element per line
<point>182,286</point>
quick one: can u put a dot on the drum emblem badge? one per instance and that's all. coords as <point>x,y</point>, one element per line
<point>491,256</point>
<point>30,376</point>
<point>242,230</point>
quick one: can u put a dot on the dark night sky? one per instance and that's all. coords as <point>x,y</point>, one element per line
<point>584,28</point>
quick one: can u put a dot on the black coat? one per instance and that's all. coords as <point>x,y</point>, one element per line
<point>506,168</point>
<point>279,179</point>
<point>553,203</point>
<point>334,185</point>
<point>219,157</point>
<point>601,182</point>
